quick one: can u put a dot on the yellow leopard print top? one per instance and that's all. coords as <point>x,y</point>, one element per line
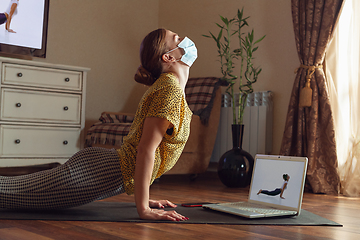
<point>164,99</point>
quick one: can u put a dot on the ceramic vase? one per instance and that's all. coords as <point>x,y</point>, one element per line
<point>236,165</point>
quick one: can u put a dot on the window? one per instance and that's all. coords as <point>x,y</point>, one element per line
<point>343,76</point>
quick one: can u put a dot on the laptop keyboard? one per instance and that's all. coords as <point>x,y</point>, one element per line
<point>257,209</point>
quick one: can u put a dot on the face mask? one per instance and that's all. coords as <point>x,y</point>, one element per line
<point>190,51</point>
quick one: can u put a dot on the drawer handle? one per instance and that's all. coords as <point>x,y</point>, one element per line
<point>67,79</point>
<point>19,74</point>
<point>66,108</point>
<point>17,141</point>
<point>18,105</point>
<point>65,142</point>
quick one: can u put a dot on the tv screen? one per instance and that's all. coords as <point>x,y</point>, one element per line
<point>24,31</point>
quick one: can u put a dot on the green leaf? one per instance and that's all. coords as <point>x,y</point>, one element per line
<point>216,40</point>
<point>240,13</point>
<point>220,35</point>
<point>212,35</point>
<point>259,40</point>
<point>225,20</point>
<point>219,26</point>
<point>247,41</point>
<point>251,36</point>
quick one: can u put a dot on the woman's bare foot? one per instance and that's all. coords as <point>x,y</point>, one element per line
<point>10,30</point>
<point>259,192</point>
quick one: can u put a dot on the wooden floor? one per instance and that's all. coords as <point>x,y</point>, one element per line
<point>207,187</point>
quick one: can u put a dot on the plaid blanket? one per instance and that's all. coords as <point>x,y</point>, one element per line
<point>116,118</point>
<point>199,92</point>
<point>107,133</point>
<point>112,128</point>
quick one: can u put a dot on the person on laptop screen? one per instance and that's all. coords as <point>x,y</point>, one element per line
<point>7,16</point>
<point>277,191</point>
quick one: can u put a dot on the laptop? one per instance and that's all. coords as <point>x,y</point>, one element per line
<point>277,187</point>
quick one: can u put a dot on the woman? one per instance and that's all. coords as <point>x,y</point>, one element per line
<point>277,191</point>
<point>153,145</point>
<point>6,17</point>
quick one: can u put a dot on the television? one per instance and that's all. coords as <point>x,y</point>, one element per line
<point>29,23</point>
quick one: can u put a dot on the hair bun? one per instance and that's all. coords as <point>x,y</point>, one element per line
<point>143,76</point>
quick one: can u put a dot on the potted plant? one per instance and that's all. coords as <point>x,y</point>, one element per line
<point>243,54</point>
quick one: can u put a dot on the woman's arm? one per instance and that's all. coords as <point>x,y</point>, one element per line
<point>12,10</point>
<point>153,132</point>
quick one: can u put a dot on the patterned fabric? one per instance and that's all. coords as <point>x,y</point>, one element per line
<point>91,174</point>
<point>310,131</point>
<point>115,118</point>
<point>200,93</point>
<point>164,99</point>
<point>107,133</point>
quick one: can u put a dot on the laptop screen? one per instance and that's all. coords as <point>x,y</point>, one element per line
<point>278,180</point>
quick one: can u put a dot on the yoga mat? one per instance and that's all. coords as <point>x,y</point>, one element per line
<point>126,212</point>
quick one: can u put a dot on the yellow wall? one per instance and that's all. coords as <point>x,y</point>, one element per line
<point>105,36</point>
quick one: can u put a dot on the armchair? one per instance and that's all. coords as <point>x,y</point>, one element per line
<point>204,99</point>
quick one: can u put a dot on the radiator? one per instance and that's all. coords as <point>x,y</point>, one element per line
<point>258,115</point>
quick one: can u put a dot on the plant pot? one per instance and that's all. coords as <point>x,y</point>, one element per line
<point>236,165</point>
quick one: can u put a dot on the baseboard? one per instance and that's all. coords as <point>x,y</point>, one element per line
<point>212,167</point>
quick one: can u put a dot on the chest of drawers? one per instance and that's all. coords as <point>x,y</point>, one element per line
<point>42,112</point>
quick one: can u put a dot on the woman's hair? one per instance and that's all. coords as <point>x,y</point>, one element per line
<point>285,177</point>
<point>151,50</point>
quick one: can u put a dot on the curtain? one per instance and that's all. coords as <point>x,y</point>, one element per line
<point>343,76</point>
<point>309,131</point>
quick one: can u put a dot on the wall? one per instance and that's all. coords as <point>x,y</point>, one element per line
<point>106,37</point>
<point>276,55</point>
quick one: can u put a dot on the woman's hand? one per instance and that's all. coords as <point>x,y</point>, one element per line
<point>158,214</point>
<point>161,204</point>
